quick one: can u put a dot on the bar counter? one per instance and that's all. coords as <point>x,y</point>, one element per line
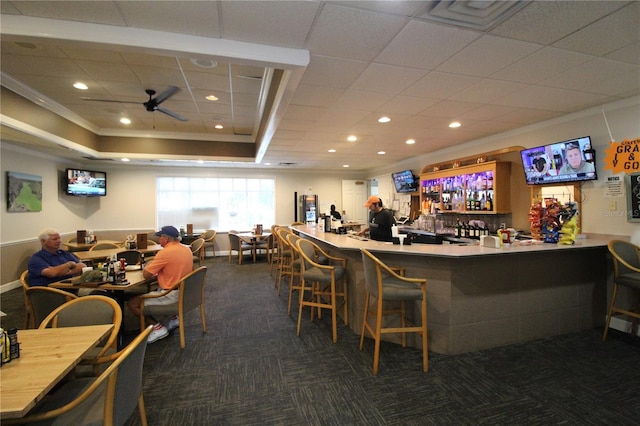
<point>480,297</point>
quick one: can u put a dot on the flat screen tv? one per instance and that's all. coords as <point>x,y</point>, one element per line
<point>405,181</point>
<point>85,183</point>
<point>568,161</point>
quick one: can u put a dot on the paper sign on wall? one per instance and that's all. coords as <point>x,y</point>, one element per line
<point>623,157</point>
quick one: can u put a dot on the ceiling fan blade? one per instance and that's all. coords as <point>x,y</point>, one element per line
<point>171,113</point>
<point>109,100</point>
<point>165,95</point>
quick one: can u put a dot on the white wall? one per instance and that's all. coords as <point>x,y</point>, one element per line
<point>624,120</point>
<point>130,200</point>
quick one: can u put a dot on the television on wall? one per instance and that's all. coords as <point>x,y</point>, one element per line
<point>569,161</point>
<point>85,183</point>
<point>405,181</point>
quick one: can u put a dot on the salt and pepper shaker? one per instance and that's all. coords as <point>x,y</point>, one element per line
<point>14,346</point>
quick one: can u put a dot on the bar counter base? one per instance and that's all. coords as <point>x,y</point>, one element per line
<point>481,302</point>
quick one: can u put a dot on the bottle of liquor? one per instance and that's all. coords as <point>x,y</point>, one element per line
<point>458,228</point>
<point>489,204</point>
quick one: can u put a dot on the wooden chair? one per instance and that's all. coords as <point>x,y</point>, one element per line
<point>273,261</point>
<point>209,237</point>
<point>321,280</point>
<point>72,240</point>
<point>197,247</point>
<point>28,311</point>
<point>296,268</point>
<point>267,245</point>
<point>104,246</point>
<point>626,273</point>
<point>284,256</point>
<point>239,246</point>
<point>109,399</point>
<point>132,257</point>
<point>191,288</point>
<point>385,285</point>
<point>44,300</point>
<point>90,310</point>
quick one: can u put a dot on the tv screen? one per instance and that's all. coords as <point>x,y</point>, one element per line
<point>405,181</point>
<point>85,183</point>
<point>562,162</point>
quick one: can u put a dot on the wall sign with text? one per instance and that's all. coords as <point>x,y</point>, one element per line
<point>623,156</point>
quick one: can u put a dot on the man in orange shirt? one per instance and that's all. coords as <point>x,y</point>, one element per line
<point>173,262</point>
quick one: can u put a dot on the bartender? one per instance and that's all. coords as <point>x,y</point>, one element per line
<point>380,220</point>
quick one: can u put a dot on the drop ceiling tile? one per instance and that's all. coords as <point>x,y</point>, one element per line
<point>361,100</point>
<point>207,82</point>
<point>582,77</point>
<point>192,17</point>
<point>450,109</point>
<point>552,99</point>
<point>549,21</point>
<point>284,24</point>
<point>387,78</point>
<point>332,72</point>
<point>316,95</point>
<point>629,54</point>
<point>487,91</point>
<point>101,12</point>
<point>541,64</point>
<point>407,105</point>
<point>425,45</point>
<point>607,34</point>
<point>487,55</point>
<point>353,34</point>
<point>439,85</point>
<point>108,71</point>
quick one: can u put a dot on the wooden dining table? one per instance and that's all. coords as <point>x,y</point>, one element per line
<point>46,357</point>
<point>253,239</point>
<point>92,255</point>
<point>78,246</point>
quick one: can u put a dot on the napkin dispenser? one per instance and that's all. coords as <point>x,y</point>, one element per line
<point>489,241</point>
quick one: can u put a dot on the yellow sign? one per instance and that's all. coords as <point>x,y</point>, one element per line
<point>623,156</point>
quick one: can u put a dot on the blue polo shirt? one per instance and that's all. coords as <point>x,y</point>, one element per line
<point>44,259</point>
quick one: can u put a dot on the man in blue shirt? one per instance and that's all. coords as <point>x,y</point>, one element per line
<point>52,264</point>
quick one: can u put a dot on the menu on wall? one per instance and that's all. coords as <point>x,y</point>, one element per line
<point>633,197</point>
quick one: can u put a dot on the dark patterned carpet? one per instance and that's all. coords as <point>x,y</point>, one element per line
<point>251,369</point>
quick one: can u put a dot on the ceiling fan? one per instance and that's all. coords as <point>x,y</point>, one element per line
<point>153,104</point>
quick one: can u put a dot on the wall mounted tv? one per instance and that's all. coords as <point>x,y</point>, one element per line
<point>85,183</point>
<point>568,161</point>
<point>405,181</point>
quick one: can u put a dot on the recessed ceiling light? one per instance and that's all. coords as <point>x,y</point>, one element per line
<point>126,160</point>
<point>267,164</point>
<point>200,162</point>
<point>332,150</point>
<point>381,152</point>
<point>204,63</point>
<point>454,124</point>
<point>384,119</point>
<point>211,98</point>
<point>80,85</point>
<point>410,141</point>
<point>125,120</point>
<point>219,126</point>
<point>352,138</point>
<point>345,165</point>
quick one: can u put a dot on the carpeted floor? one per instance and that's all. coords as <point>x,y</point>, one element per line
<point>250,368</point>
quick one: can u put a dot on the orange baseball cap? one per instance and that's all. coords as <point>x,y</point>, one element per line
<point>371,200</point>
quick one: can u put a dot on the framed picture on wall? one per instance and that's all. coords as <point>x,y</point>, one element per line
<point>24,192</point>
<point>633,197</point>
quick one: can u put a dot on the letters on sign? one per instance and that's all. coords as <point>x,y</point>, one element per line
<point>623,157</point>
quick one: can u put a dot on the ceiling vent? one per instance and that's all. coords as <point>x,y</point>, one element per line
<point>98,159</point>
<point>286,163</point>
<point>480,15</point>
